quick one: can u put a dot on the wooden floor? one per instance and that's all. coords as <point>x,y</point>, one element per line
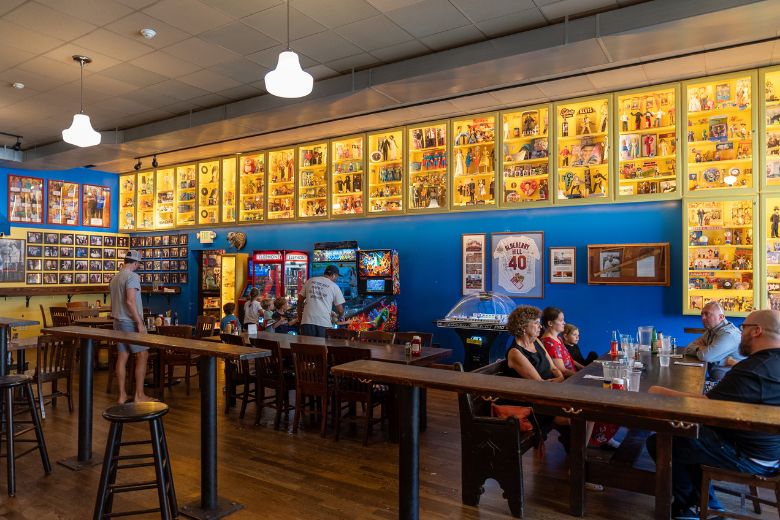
<point>280,475</point>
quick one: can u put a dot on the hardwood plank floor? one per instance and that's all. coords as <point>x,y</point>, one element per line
<point>277,475</point>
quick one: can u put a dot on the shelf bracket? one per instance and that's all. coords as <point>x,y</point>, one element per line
<point>69,296</point>
<point>27,300</point>
<point>104,297</point>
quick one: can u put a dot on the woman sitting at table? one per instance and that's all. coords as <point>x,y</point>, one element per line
<point>553,323</point>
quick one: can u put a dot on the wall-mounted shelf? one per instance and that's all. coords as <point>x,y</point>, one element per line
<point>68,291</point>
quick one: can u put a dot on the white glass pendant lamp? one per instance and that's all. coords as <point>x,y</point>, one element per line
<point>81,132</point>
<point>288,79</point>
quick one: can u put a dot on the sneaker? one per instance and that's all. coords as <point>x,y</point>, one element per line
<point>715,505</point>
<point>684,514</point>
<point>593,487</point>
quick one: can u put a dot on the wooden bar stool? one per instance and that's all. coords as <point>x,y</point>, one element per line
<point>118,415</point>
<point>708,474</point>
<point>7,386</point>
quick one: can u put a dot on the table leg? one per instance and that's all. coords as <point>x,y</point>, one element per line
<point>663,475</point>
<point>4,331</point>
<point>84,459</point>
<point>409,453</point>
<point>577,459</point>
<point>20,362</point>
<point>209,506</point>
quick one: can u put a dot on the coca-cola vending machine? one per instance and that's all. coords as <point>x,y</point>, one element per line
<point>277,273</point>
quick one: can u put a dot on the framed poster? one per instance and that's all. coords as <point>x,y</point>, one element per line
<point>25,199</point>
<point>517,267</point>
<point>11,260</point>
<point>563,265</point>
<point>63,203</point>
<point>473,263</point>
<point>96,206</point>
<point>628,264</point>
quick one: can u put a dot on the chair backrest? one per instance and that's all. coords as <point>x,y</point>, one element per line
<point>77,314</point>
<point>341,355</point>
<point>350,388</point>
<point>341,334</point>
<point>43,317</point>
<point>311,368</point>
<point>473,405</point>
<point>401,338</point>
<point>59,316</point>
<point>204,326</point>
<point>270,367</point>
<point>177,331</point>
<point>55,356</point>
<point>76,305</point>
<point>232,339</point>
<point>379,337</point>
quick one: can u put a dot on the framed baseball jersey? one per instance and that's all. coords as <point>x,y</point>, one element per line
<point>517,267</point>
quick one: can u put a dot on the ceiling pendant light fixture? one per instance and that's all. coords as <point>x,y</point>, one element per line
<point>288,79</point>
<point>81,132</point>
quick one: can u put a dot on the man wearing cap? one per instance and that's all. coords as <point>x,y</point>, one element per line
<point>127,309</point>
<point>318,297</point>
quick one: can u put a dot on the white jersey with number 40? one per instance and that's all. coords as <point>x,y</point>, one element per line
<point>517,256</point>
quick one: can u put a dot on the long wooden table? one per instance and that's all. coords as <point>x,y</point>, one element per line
<point>209,505</point>
<point>6,324</point>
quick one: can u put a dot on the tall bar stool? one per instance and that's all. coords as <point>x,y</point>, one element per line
<point>8,384</point>
<point>118,415</point>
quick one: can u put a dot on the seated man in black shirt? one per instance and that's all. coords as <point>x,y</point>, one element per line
<point>754,380</point>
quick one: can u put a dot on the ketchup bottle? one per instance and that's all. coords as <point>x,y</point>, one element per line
<point>416,345</point>
<point>613,346</point>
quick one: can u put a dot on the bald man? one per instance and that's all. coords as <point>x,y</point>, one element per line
<point>719,342</point>
<point>756,380</point>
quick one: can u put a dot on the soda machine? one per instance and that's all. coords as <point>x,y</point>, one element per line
<point>277,273</point>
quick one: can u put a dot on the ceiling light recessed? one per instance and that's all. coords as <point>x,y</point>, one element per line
<point>148,33</point>
<point>17,85</point>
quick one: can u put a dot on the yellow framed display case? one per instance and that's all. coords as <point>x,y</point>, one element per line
<point>228,206</point>
<point>473,162</point>
<point>719,123</point>
<point>582,129</point>
<point>313,181</point>
<point>386,172</point>
<point>645,144</point>
<point>720,254</point>
<point>428,159</point>
<point>347,176</point>
<point>769,96</point>
<point>770,246</point>
<point>208,192</point>
<point>233,277</point>
<point>165,198</point>
<point>280,203</point>
<point>526,162</point>
<point>186,195</point>
<point>127,206</point>
<point>145,216</point>
<point>251,193</point>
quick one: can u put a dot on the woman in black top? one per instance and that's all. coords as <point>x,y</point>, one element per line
<point>526,356</point>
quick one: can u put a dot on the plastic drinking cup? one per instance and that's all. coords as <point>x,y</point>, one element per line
<point>633,378</point>
<point>663,358</point>
<point>644,335</point>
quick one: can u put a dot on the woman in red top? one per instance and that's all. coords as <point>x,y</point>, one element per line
<point>553,322</point>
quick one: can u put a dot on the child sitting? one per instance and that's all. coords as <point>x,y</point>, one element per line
<point>571,338</point>
<point>230,323</point>
<point>268,308</point>
<point>281,324</point>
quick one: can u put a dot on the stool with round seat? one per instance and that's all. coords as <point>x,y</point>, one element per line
<point>118,416</point>
<point>9,384</point>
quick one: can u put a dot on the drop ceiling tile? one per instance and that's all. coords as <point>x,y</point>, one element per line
<point>273,22</point>
<point>389,5</point>
<point>130,25</point>
<point>178,90</point>
<point>11,58</point>
<point>558,10</point>
<point>669,70</point>
<point>240,92</point>
<point>32,82</point>
<point>209,100</point>
<point>525,95</point>
<point>325,46</point>
<point>429,17</point>
<point>567,88</point>
<point>401,51</point>
<point>209,80</point>
<point>240,38</point>
<point>336,13</point>
<point>136,4</point>
<point>243,70</point>
<point>98,12</point>
<point>150,98</point>
<point>129,73</point>
<point>201,53</point>
<point>16,36</point>
<point>114,45</point>
<point>269,57</point>
<point>479,10</point>
<point>121,105</point>
<point>180,107</point>
<point>9,96</point>
<point>109,85</point>
<point>165,64</point>
<point>64,55</point>
<point>374,33</point>
<point>7,5</point>
<point>321,72</point>
<point>241,8</point>
<point>188,15</point>
<point>512,23</point>
<point>359,61</point>
<point>453,38</point>
<point>57,24</point>
<point>620,79</point>
<point>50,68</point>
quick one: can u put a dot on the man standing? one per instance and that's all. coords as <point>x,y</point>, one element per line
<point>317,298</point>
<point>719,342</point>
<point>753,380</point>
<point>128,317</point>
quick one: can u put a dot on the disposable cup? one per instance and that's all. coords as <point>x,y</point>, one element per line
<point>634,376</point>
<point>663,359</point>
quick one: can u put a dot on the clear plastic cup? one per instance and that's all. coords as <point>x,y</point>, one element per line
<point>633,378</point>
<point>663,358</point>
<point>611,370</point>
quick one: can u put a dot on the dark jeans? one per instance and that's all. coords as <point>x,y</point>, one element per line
<point>307,329</point>
<point>709,449</point>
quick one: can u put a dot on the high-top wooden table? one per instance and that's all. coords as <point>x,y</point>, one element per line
<point>209,505</point>
<point>6,324</point>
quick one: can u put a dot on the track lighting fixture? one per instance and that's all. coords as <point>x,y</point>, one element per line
<point>137,165</point>
<point>155,164</point>
<point>18,146</point>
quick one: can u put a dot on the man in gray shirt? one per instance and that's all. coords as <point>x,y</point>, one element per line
<point>127,310</point>
<point>316,301</point>
<point>719,342</point>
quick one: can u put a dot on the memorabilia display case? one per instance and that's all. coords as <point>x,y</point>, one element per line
<point>427,166</point>
<point>385,172</point>
<point>770,245</point>
<point>347,176</point>
<point>234,270</point>
<point>474,162</point>
<point>582,149</point>
<point>251,188</point>
<point>208,192</point>
<point>63,203</point>
<point>281,184</point>
<point>229,175</point>
<point>770,128</point>
<point>719,122</point>
<point>526,162</point>
<point>145,201</point>
<point>25,199</point>
<point>313,181</point>
<point>127,195</point>
<point>186,195</point>
<point>645,143</point>
<point>164,211</point>
<point>720,254</point>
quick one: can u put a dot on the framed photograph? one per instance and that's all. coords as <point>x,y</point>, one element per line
<point>109,253</point>
<point>66,278</point>
<point>95,252</point>
<point>473,263</point>
<point>95,240</point>
<point>34,278</point>
<point>109,265</point>
<point>66,251</point>
<point>165,278</point>
<point>183,278</point>
<point>174,277</point>
<point>95,265</point>
<point>563,265</point>
<point>34,264</point>
<point>50,265</point>
<point>148,241</point>
<point>628,264</point>
<point>166,240</point>
<point>183,240</point>
<point>109,241</point>
<point>182,252</point>
<point>136,241</point>
<point>63,203</point>
<point>82,265</point>
<point>51,238</point>
<point>34,237</point>
<point>183,266</point>
<point>81,278</point>
<point>82,252</point>
<point>50,278</point>
<point>157,240</point>
<point>517,267</point>
<point>96,206</point>
<point>174,240</point>
<point>95,278</point>
<point>174,265</point>
<point>121,253</point>
<point>66,239</point>
<point>122,241</point>
<point>51,251</point>
<point>25,200</point>
<point>166,252</point>
<point>66,265</point>
<point>82,240</point>
<point>34,251</point>
<point>107,277</point>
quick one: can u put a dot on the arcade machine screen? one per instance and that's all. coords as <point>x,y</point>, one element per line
<point>345,260</point>
<point>375,286</point>
<point>375,263</point>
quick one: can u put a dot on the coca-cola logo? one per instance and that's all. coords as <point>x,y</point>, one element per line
<point>567,113</point>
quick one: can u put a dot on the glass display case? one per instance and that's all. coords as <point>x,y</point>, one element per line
<point>252,188</point>
<point>770,209</point>
<point>145,218</point>
<point>347,176</point>
<point>127,195</point>
<point>229,171</point>
<point>582,149</point>
<point>474,162</point>
<point>281,184</point>
<point>720,253</point>
<point>313,181</point>
<point>63,203</point>
<point>186,195</point>
<point>165,185</point>
<point>646,143</point>
<point>208,192</point>
<point>770,79</point>
<point>385,172</point>
<point>526,162</point>
<point>428,160</point>
<point>482,309</point>
<point>719,125</point>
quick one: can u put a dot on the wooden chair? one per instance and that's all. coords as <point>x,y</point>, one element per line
<point>341,334</point>
<point>43,317</point>
<point>351,391</point>
<point>378,337</point>
<point>753,482</point>
<point>238,373</point>
<point>77,314</point>
<point>204,326</point>
<point>402,338</point>
<point>55,358</point>
<point>71,306</point>
<point>59,316</point>
<point>311,379</point>
<point>172,359</point>
<point>272,374</point>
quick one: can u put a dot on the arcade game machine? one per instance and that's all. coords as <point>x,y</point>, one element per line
<point>378,283</point>
<point>344,256</point>
<point>277,273</point>
<point>209,282</point>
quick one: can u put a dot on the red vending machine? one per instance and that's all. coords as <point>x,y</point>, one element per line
<point>277,273</point>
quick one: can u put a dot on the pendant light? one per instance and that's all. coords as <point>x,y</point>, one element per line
<point>81,132</point>
<point>288,79</point>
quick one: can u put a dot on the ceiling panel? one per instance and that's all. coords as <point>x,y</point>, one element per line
<point>401,51</point>
<point>389,5</point>
<point>111,43</point>
<point>177,89</point>
<point>98,12</point>
<point>242,70</point>
<point>201,52</point>
<point>240,38</point>
<point>269,57</point>
<point>63,56</point>
<point>374,33</point>
<point>208,80</point>
<point>240,8</point>
<point>130,25</point>
<point>429,17</point>
<point>511,23</point>
<point>359,61</point>
<point>273,22</point>
<point>336,13</point>
<point>129,73</point>
<point>15,36</point>
<point>12,57</point>
<point>58,25</point>
<point>453,38</point>
<point>557,10</point>
<point>326,46</point>
<point>188,15</point>
<point>479,10</point>
<point>166,65</point>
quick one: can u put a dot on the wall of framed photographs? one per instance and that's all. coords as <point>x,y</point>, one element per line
<point>165,258</point>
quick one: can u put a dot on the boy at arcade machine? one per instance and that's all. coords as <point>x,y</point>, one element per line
<point>378,276</point>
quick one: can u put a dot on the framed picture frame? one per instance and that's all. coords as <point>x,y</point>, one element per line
<point>472,254</point>
<point>34,278</point>
<point>82,240</point>
<point>34,237</point>
<point>66,239</point>
<point>81,278</point>
<point>109,240</point>
<point>34,264</point>
<point>122,241</point>
<point>563,265</point>
<point>34,251</point>
<point>95,240</point>
<point>51,238</point>
<point>62,207</point>
<point>517,264</point>
<point>25,200</point>
<point>96,206</point>
<point>629,264</point>
<point>50,279</point>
